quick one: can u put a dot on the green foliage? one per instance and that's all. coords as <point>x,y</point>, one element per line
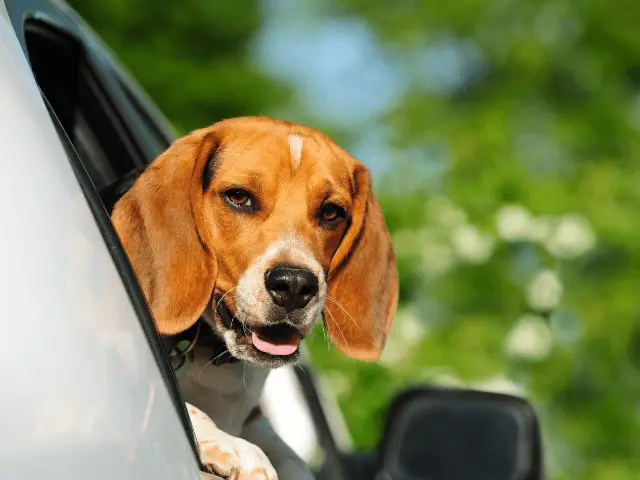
<point>192,59</point>
<point>546,118</point>
<point>513,201</point>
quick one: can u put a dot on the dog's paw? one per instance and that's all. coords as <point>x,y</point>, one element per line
<point>226,455</point>
<point>234,457</point>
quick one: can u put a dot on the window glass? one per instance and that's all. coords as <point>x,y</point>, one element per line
<point>154,134</point>
<point>82,106</point>
<point>102,153</point>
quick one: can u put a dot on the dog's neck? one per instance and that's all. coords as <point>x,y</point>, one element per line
<point>211,379</point>
<point>179,348</point>
<point>227,393</point>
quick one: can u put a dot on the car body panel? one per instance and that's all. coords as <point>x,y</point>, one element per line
<point>83,396</point>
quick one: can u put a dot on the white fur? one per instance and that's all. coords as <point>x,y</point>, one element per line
<point>295,148</point>
<point>252,298</point>
<point>227,394</point>
<point>221,452</point>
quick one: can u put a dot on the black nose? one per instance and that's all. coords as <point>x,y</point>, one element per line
<point>291,288</point>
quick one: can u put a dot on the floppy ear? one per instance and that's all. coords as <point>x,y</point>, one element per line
<point>161,224</point>
<point>363,278</point>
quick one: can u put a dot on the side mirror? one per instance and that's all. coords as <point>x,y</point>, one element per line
<point>454,434</point>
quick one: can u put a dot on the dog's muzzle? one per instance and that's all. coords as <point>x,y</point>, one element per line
<point>278,339</point>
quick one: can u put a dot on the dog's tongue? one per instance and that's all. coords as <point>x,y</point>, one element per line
<point>280,346</point>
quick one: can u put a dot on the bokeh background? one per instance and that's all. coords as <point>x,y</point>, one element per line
<point>503,137</point>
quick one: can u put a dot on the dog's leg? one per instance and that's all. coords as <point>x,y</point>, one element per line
<point>224,454</point>
<point>286,462</point>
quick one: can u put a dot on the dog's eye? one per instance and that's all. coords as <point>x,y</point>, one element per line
<point>331,214</point>
<point>239,198</point>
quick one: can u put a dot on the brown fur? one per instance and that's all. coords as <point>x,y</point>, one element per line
<point>186,245</point>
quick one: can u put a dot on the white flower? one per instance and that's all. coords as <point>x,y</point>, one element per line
<point>407,332</point>
<point>513,223</point>
<point>544,291</point>
<point>471,244</point>
<point>410,328</point>
<point>530,338</point>
<point>540,228</point>
<point>572,237</point>
<point>437,259</point>
<point>393,351</point>
<point>451,216</point>
<point>446,212</point>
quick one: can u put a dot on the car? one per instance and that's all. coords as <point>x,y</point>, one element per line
<point>89,391</point>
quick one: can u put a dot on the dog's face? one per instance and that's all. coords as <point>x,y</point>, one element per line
<point>263,226</point>
<point>278,208</point>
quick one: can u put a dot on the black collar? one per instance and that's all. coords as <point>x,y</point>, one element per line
<point>180,347</point>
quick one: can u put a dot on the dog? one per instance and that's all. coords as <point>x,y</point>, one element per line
<point>248,232</point>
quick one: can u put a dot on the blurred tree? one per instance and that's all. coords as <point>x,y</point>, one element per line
<point>524,269</point>
<point>193,60</point>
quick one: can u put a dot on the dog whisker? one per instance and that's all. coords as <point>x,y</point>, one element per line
<point>377,317</point>
<point>245,329</point>
<point>324,330</point>
<point>341,334</point>
<point>244,376</point>
<point>302,369</point>
<point>343,309</point>
<point>224,295</point>
<point>220,301</point>
<point>210,362</point>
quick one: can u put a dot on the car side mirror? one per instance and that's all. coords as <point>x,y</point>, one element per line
<point>455,434</point>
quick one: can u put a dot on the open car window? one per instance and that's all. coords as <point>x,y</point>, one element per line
<point>92,123</point>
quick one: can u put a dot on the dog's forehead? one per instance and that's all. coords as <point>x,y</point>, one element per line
<point>283,152</point>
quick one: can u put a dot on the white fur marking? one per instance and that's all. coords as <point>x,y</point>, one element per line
<point>223,452</point>
<point>295,148</point>
<point>251,296</point>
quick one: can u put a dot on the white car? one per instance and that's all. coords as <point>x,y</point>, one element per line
<point>88,390</point>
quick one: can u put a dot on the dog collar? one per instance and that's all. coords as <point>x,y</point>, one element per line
<point>180,348</point>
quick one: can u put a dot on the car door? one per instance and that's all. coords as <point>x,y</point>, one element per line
<point>88,392</point>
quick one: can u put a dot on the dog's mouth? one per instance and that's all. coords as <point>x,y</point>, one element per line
<point>278,340</point>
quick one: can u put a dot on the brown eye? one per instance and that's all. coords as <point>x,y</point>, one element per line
<point>238,198</point>
<point>331,214</point>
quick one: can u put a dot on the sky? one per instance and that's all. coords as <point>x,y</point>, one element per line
<point>343,75</point>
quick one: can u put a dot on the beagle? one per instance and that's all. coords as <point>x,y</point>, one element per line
<point>247,232</point>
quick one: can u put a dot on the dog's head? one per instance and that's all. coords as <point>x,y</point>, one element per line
<point>263,226</point>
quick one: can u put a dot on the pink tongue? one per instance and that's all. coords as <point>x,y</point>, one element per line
<point>266,346</point>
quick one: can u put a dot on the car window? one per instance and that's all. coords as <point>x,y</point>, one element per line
<point>102,152</point>
<point>155,135</point>
<point>81,104</point>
